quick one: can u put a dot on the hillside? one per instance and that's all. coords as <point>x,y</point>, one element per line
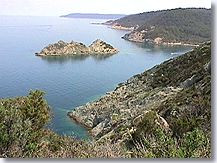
<point>185,25</point>
<point>173,96</point>
<point>164,112</point>
<point>94,16</point>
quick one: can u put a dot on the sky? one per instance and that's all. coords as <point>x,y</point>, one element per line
<point>62,7</point>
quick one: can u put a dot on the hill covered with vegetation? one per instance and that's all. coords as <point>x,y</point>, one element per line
<point>181,25</point>
<point>164,112</point>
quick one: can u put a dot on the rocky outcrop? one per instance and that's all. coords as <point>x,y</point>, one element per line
<point>116,113</point>
<point>119,107</point>
<point>134,37</point>
<point>62,48</point>
<point>191,81</point>
<point>207,67</point>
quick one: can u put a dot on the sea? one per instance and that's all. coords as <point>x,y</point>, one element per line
<point>69,82</point>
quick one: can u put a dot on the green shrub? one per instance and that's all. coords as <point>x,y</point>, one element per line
<point>21,124</point>
<point>162,145</point>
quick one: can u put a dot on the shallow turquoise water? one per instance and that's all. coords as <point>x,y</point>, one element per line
<point>68,82</point>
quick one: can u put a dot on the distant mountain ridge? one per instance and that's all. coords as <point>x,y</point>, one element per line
<point>94,16</point>
<point>180,25</point>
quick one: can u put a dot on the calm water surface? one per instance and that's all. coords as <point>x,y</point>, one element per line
<point>68,82</point>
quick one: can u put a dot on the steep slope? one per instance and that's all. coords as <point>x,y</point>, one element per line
<point>176,94</point>
<point>186,26</point>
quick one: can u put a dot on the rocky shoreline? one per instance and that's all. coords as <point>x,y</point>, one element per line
<point>119,27</point>
<point>115,114</point>
<point>61,48</point>
<point>139,37</point>
<point>110,24</point>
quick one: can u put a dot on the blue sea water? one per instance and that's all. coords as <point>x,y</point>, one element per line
<point>68,82</point>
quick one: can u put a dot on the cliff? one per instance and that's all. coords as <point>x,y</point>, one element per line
<point>62,48</point>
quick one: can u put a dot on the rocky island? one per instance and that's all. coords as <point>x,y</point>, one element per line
<point>61,48</point>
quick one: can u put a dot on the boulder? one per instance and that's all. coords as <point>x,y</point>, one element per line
<point>98,129</point>
<point>190,81</point>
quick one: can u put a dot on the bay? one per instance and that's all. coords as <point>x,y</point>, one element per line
<point>68,82</point>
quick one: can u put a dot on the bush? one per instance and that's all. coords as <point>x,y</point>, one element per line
<point>22,133</point>
<point>21,124</point>
<point>162,145</point>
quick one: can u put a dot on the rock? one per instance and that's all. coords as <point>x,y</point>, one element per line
<point>81,118</point>
<point>98,129</point>
<point>97,120</point>
<point>207,67</point>
<point>158,40</point>
<point>190,81</point>
<point>62,48</point>
<point>134,37</point>
<point>163,123</point>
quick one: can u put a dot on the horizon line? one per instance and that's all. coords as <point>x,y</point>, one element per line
<point>110,13</point>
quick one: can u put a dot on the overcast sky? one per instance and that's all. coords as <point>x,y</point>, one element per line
<point>61,7</point>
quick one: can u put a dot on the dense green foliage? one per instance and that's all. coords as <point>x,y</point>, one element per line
<point>194,144</point>
<point>21,122</point>
<point>185,25</point>
<point>192,63</point>
<point>189,117</point>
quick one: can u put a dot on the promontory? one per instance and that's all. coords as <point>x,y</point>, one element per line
<point>61,48</point>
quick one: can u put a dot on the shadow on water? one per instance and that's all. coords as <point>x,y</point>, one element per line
<point>163,48</point>
<point>102,57</point>
<point>65,59</point>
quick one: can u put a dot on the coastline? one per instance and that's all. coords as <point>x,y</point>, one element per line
<point>131,29</point>
<point>119,27</point>
<point>126,104</point>
<point>162,43</point>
